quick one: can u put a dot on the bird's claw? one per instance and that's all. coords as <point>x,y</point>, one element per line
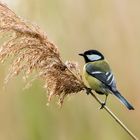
<point>102,105</point>
<point>88,90</point>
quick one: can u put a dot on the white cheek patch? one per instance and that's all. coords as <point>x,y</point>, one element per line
<point>93,57</point>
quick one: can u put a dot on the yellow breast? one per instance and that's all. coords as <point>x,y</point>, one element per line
<point>90,81</point>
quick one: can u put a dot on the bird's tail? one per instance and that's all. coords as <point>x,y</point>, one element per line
<point>123,100</point>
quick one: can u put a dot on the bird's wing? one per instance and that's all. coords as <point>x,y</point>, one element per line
<point>106,77</point>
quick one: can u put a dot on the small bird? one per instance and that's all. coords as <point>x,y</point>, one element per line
<point>98,75</point>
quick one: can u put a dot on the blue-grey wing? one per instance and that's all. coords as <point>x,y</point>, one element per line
<point>107,78</point>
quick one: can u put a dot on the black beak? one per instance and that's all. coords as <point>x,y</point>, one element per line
<point>81,54</point>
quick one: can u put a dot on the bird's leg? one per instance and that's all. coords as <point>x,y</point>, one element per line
<point>88,90</point>
<point>103,104</point>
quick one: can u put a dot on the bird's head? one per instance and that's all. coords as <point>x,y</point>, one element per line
<point>92,55</point>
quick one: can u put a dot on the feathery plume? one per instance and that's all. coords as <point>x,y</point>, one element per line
<point>32,51</point>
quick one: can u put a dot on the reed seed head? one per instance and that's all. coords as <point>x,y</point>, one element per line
<point>32,51</point>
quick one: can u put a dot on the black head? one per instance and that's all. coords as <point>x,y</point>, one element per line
<point>92,55</point>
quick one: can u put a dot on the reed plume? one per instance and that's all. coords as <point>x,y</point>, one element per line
<point>30,50</point>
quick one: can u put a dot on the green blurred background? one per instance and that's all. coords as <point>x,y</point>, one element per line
<point>111,26</point>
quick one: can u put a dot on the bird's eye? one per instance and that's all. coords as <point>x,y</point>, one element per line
<point>94,57</point>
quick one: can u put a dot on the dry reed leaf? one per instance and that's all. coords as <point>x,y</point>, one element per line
<point>32,50</point>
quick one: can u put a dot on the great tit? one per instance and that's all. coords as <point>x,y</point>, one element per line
<point>98,75</point>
